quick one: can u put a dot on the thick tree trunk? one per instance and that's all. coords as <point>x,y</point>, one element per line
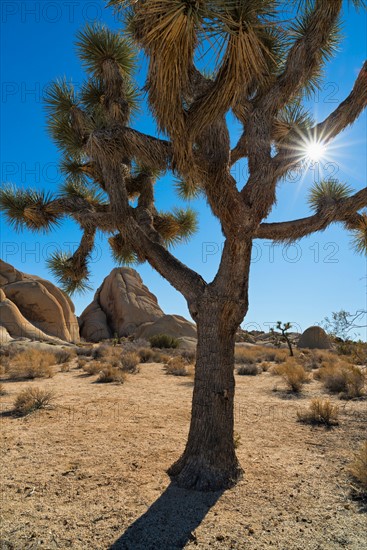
<point>209,462</point>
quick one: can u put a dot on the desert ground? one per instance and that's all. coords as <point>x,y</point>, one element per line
<point>90,472</point>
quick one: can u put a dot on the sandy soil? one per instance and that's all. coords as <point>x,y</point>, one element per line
<point>90,474</point>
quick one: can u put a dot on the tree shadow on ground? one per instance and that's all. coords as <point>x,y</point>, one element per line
<point>170,521</point>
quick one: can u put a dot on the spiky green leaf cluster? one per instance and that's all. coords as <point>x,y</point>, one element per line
<point>327,193</point>
<point>60,100</point>
<point>187,189</point>
<point>28,209</point>
<point>96,44</point>
<point>122,253</point>
<point>298,30</point>
<point>177,226</point>
<point>77,189</point>
<point>359,240</point>
<point>293,117</point>
<point>72,279</point>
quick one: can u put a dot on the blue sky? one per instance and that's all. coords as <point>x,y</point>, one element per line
<point>301,284</point>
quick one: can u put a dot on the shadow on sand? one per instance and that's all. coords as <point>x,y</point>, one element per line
<point>170,521</point>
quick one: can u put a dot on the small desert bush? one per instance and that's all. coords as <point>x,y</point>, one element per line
<point>321,411</point>
<point>189,356</point>
<point>30,364</point>
<point>265,366</point>
<point>84,351</point>
<point>92,367</point>
<point>342,378</point>
<point>257,354</point>
<point>64,356</point>
<point>129,362</point>
<point>164,341</point>
<point>105,352</point>
<point>111,374</point>
<point>149,355</point>
<point>32,399</point>
<point>178,367</point>
<point>293,374</point>
<point>248,370</point>
<point>65,367</point>
<point>358,470</point>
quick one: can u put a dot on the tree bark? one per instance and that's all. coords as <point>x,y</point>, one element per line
<point>209,462</point>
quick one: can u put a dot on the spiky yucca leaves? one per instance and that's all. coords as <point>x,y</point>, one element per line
<point>93,97</point>
<point>292,118</point>
<point>123,253</point>
<point>187,189</point>
<point>167,31</point>
<point>96,44</point>
<point>251,53</point>
<point>327,193</point>
<point>71,273</point>
<point>176,227</point>
<point>78,189</point>
<point>359,234</point>
<point>298,30</point>
<point>28,209</point>
<point>68,125</point>
<point>110,60</point>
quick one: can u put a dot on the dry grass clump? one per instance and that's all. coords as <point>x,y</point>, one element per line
<point>84,351</point>
<point>358,470</point>
<point>177,366</point>
<point>265,366</point>
<point>91,367</point>
<point>105,352</point>
<point>149,355</point>
<point>2,390</point>
<point>164,341</point>
<point>64,356</point>
<point>30,364</point>
<point>248,370</point>
<point>294,374</point>
<point>111,374</point>
<point>257,354</point>
<point>342,378</point>
<point>32,399</point>
<point>128,362</point>
<point>321,411</point>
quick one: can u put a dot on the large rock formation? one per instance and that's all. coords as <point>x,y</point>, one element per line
<point>34,308</point>
<point>123,305</point>
<point>314,338</point>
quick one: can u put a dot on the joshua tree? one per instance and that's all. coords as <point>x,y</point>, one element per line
<point>283,329</point>
<point>265,64</point>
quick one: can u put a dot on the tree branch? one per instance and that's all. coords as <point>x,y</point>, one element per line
<point>343,116</point>
<point>341,211</point>
<point>304,56</point>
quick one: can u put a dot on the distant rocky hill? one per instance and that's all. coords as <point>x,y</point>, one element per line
<point>34,308</point>
<point>124,306</point>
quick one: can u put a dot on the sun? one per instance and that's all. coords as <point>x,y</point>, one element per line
<point>315,150</point>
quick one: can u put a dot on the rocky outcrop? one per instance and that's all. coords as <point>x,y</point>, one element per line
<point>123,305</point>
<point>34,308</point>
<point>314,338</point>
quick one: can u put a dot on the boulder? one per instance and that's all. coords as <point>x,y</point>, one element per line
<point>124,306</point>
<point>34,308</point>
<point>174,325</point>
<point>314,338</point>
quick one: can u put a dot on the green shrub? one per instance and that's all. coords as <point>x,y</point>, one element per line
<point>164,341</point>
